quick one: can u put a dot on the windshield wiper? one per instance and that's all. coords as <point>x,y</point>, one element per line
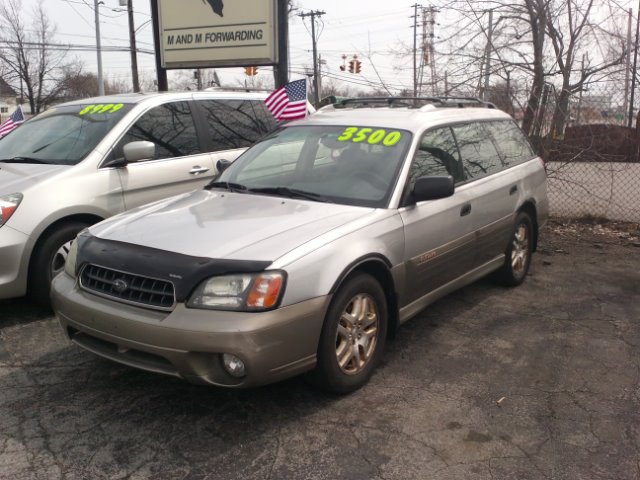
<point>290,192</point>
<point>231,186</point>
<point>22,160</point>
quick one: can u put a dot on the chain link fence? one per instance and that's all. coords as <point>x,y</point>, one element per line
<point>593,165</point>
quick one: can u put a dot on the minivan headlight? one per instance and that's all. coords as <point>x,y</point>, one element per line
<point>8,205</point>
<point>250,292</point>
<point>70,263</point>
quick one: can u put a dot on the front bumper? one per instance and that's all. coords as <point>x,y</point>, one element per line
<point>15,247</point>
<point>188,343</point>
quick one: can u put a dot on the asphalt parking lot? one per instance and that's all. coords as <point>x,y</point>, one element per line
<point>537,382</point>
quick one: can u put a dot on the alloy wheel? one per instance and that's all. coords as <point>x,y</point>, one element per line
<point>357,334</point>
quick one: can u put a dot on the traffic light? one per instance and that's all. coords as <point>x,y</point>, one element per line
<point>352,66</point>
<point>358,66</point>
<point>250,71</point>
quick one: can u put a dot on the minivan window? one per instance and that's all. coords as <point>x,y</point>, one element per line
<point>437,155</point>
<point>511,142</point>
<point>62,135</point>
<point>236,123</point>
<point>170,127</point>
<point>479,154</point>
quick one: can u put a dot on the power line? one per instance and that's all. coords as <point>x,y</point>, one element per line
<point>69,47</point>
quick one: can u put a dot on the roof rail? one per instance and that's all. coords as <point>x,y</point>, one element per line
<point>413,102</point>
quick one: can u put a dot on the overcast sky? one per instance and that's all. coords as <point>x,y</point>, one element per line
<point>349,27</point>
<point>375,29</point>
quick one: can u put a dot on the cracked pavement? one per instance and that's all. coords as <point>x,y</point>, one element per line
<point>563,350</point>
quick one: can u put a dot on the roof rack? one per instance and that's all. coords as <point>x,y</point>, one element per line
<point>413,102</point>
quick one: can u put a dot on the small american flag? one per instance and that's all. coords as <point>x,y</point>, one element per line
<point>13,122</point>
<point>289,102</point>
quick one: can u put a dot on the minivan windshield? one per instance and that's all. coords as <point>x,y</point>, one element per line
<point>62,135</point>
<point>340,164</point>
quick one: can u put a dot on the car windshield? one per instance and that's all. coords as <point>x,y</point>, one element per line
<point>62,135</point>
<point>340,164</point>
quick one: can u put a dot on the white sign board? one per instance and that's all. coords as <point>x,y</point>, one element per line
<point>217,33</point>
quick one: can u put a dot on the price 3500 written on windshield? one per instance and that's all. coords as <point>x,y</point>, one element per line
<point>371,136</point>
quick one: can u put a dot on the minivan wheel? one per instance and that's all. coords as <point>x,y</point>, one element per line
<point>353,336</point>
<point>518,253</point>
<point>48,260</point>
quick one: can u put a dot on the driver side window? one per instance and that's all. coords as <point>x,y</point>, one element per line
<point>437,155</point>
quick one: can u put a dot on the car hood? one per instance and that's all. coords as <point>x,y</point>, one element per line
<point>217,224</point>
<point>17,177</point>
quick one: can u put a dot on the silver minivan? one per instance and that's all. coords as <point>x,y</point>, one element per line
<point>81,162</point>
<point>312,247</point>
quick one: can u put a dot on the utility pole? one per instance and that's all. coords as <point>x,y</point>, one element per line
<point>627,73</point>
<point>316,74</point>
<point>132,46</point>
<point>487,63</point>
<point>98,49</point>
<point>415,47</point>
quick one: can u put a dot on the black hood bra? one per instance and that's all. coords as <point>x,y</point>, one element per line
<point>184,271</point>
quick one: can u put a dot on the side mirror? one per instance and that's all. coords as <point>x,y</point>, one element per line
<point>222,165</point>
<point>432,188</point>
<point>136,151</point>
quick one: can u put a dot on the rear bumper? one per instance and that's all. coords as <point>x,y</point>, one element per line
<point>188,343</point>
<point>14,262</point>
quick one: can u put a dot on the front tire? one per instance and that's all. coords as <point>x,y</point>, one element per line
<point>353,336</point>
<point>518,254</point>
<point>48,260</point>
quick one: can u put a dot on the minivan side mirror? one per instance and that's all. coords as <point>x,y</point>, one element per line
<point>141,150</point>
<point>222,165</point>
<point>432,188</point>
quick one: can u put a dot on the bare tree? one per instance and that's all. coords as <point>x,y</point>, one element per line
<point>533,43</point>
<point>567,41</point>
<point>75,84</point>
<point>30,63</point>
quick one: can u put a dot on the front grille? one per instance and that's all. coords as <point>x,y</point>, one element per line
<point>127,287</point>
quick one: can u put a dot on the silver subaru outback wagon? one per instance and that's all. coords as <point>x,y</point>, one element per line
<point>312,247</point>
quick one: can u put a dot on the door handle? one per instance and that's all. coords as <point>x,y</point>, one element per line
<point>465,210</point>
<point>197,170</point>
<point>513,190</point>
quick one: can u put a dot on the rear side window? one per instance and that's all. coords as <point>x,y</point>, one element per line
<point>236,123</point>
<point>479,154</point>
<point>170,127</point>
<point>511,142</point>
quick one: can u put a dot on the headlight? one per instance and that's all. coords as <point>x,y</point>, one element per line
<point>241,292</point>
<point>70,263</point>
<point>8,205</point>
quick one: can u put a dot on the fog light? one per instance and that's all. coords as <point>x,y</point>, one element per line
<point>233,365</point>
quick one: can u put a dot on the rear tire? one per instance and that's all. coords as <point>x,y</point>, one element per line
<point>48,260</point>
<point>353,336</point>
<point>518,254</point>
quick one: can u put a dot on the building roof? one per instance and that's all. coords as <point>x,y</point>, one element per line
<point>6,90</point>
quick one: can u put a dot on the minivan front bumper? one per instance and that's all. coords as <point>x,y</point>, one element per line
<point>189,343</point>
<point>14,249</point>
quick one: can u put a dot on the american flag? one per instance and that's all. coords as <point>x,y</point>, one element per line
<point>289,102</point>
<point>13,122</point>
